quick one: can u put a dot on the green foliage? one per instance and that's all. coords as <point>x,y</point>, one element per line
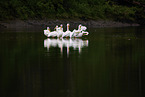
<point>81,9</point>
<point>121,12</point>
<point>24,13</point>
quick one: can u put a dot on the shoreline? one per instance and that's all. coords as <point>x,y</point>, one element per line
<point>53,23</point>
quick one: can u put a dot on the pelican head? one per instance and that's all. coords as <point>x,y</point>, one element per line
<point>85,33</point>
<point>61,27</point>
<point>56,27</point>
<point>79,27</point>
<point>67,26</point>
<point>48,28</point>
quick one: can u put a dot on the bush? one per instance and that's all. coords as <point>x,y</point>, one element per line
<point>81,9</point>
<point>119,12</point>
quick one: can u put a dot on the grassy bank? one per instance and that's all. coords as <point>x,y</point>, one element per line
<point>72,9</point>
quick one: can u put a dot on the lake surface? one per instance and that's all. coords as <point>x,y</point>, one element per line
<point>107,63</point>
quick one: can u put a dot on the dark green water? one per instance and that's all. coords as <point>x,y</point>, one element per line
<point>107,63</point>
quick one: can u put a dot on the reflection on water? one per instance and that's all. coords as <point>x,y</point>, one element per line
<point>75,43</point>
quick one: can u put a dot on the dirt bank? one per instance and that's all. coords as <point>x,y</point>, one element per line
<point>52,23</point>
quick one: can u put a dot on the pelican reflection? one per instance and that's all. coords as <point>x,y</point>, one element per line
<point>68,43</point>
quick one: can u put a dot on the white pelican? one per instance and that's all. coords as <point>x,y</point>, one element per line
<point>46,32</point>
<point>80,32</point>
<point>61,27</point>
<point>83,33</point>
<point>60,31</point>
<point>53,33</point>
<point>67,33</point>
<point>76,32</point>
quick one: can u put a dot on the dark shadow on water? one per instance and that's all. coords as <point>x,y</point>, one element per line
<point>108,63</point>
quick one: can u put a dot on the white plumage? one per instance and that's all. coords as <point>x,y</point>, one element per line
<point>59,32</point>
<point>67,33</point>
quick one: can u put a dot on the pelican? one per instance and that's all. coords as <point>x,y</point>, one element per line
<point>67,33</point>
<point>46,32</point>
<point>80,32</point>
<point>60,31</point>
<point>61,27</point>
<point>83,31</point>
<point>53,33</point>
<point>76,32</point>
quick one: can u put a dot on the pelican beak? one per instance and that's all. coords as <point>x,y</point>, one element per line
<point>54,28</point>
<point>86,33</point>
